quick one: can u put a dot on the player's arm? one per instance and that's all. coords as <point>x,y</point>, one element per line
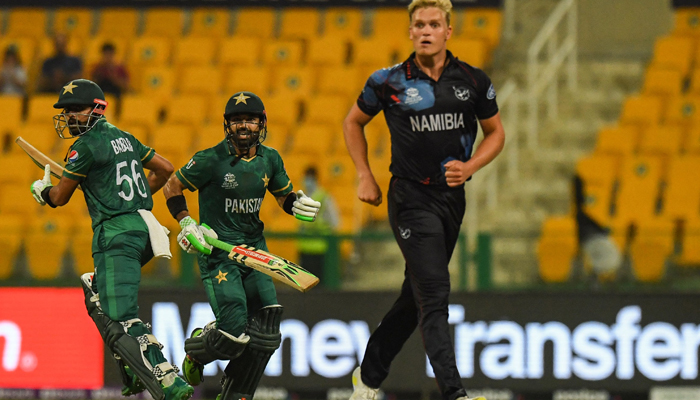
<point>458,172</point>
<point>354,130</point>
<point>172,189</point>
<point>160,169</point>
<point>55,196</point>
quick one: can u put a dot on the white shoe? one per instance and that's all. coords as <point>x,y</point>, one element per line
<point>360,390</point>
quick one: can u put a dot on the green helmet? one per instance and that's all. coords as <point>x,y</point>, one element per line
<point>79,93</point>
<point>249,104</point>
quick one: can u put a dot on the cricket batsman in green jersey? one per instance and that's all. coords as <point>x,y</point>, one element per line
<point>109,164</point>
<point>232,179</point>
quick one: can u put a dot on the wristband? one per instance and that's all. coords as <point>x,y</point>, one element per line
<point>289,203</point>
<point>176,205</point>
<point>46,197</point>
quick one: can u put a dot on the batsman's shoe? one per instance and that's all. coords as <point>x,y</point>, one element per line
<point>191,369</point>
<point>360,390</point>
<point>178,390</point>
<point>134,386</point>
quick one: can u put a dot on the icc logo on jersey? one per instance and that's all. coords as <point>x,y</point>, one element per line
<point>461,93</point>
<point>229,181</point>
<point>413,96</point>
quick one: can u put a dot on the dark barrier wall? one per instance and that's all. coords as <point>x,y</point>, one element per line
<point>239,3</point>
<point>686,3</point>
<point>523,342</point>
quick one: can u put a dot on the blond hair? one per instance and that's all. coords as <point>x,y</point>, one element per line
<point>444,5</point>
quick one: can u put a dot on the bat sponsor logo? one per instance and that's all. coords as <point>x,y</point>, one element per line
<point>253,254</point>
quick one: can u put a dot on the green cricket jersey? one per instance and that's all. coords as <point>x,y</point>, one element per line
<point>230,196</point>
<point>108,163</point>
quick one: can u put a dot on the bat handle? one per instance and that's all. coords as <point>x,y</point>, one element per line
<point>218,244</point>
<point>198,246</point>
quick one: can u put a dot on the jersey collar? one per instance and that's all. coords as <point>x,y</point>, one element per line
<point>413,72</point>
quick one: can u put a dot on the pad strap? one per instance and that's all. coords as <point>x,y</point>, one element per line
<point>215,344</point>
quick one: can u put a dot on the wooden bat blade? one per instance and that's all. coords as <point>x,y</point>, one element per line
<point>39,158</point>
<point>274,266</point>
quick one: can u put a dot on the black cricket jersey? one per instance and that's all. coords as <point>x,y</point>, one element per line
<point>430,122</point>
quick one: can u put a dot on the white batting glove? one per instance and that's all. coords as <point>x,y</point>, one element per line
<point>39,186</point>
<point>191,238</point>
<point>305,208</point>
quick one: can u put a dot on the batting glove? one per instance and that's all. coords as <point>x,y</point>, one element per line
<point>191,238</point>
<point>305,208</point>
<point>38,186</point>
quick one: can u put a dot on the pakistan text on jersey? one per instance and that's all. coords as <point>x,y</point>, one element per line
<point>121,145</point>
<point>243,206</point>
<point>437,122</point>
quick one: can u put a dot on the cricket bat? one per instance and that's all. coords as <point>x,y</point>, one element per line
<point>40,159</point>
<point>277,267</point>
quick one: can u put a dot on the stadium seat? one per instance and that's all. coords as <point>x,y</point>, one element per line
<point>597,198</point>
<point>343,81</point>
<point>344,23</point>
<point>281,110</point>
<point>373,52</point>
<point>149,52</point>
<point>210,23</point>
<point>687,22</point>
<point>282,52</point>
<point>157,83</point>
<point>17,170</point>
<point>619,141</point>
<point>663,82</point>
<point>252,21</point>
<point>26,48</point>
<point>40,108</point>
<point>207,136</point>
<point>690,244</point>
<point>639,190</point>
<point>326,109</point>
<point>12,114</point>
<point>671,52</point>
<point>652,245</point>
<point>314,139</point>
<point>472,51</point>
<point>349,207</point>
<point>682,110</point>
<point>641,110</point>
<point>597,169</point>
<point>173,141</point>
<point>163,22</point>
<point>299,23</point>
<point>118,23</point>
<point>12,243</point>
<point>249,79</point>
<point>200,80</point>
<point>681,198</point>
<point>189,110</point>
<point>329,51</point>
<point>81,250</point>
<point>93,52</point>
<point>482,23</point>
<point>240,51</point>
<point>296,163</point>
<point>139,110</point>
<point>204,55</point>
<point>41,135</point>
<point>692,142</point>
<point>556,248</point>
<point>293,82</point>
<point>26,22</point>
<point>598,174</point>
<point>277,137</point>
<point>138,131</point>
<point>386,22</point>
<point>47,48</point>
<point>50,231</point>
<point>662,140</point>
<point>76,22</point>
<point>337,170</point>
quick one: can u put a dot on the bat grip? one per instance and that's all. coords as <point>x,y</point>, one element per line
<point>198,246</point>
<point>218,244</point>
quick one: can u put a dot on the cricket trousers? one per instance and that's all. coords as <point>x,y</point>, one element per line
<point>425,222</point>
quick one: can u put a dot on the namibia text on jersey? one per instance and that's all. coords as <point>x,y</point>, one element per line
<point>437,122</point>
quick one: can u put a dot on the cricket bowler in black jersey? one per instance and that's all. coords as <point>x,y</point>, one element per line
<point>432,103</point>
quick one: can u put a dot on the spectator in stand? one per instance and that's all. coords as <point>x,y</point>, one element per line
<point>13,77</point>
<point>110,75</point>
<point>60,68</point>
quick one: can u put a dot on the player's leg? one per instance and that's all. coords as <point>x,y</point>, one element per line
<point>117,277</point>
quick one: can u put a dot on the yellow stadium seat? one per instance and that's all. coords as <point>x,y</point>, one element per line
<point>93,52</point>
<point>296,163</point>
<point>190,110</point>
<point>299,23</point>
<point>663,82</point>
<point>671,52</point>
<point>687,21</point>
<point>482,23</point>
<point>597,169</point>
<point>76,22</point>
<point>81,250</point>
<point>682,194</point>
<point>157,83</point>
<point>639,189</point>
<point>650,248</point>
<point>208,136</point>
<point>641,110</point>
<point>663,140</point>
<point>293,82</point>
<point>40,108</point>
<point>138,131</point>
<point>149,51</point>
<point>343,81</point>
<point>328,51</point>
<point>45,265</point>
<point>281,110</point>
<point>692,142</point>
<point>14,201</point>
<point>12,244</point>
<point>596,202</point>
<point>682,110</point>
<point>27,22</point>
<point>556,249</point>
<point>376,52</point>
<point>233,48</point>
<point>47,48</point>
<point>252,21</point>
<point>186,55</point>
<point>26,48</point>
<point>277,137</point>
<point>617,140</point>
<point>337,170</point>
<point>210,22</point>
<point>286,248</point>
<point>41,135</point>
<point>345,23</point>
<point>690,244</point>
<point>326,109</point>
<point>12,113</point>
<point>598,174</point>
<point>139,110</point>
<point>163,22</point>
<point>118,22</point>
<point>249,79</point>
<point>386,22</point>
<point>282,52</point>
<point>173,140</point>
<point>17,169</point>
<point>310,138</point>
<point>472,51</point>
<point>200,80</point>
